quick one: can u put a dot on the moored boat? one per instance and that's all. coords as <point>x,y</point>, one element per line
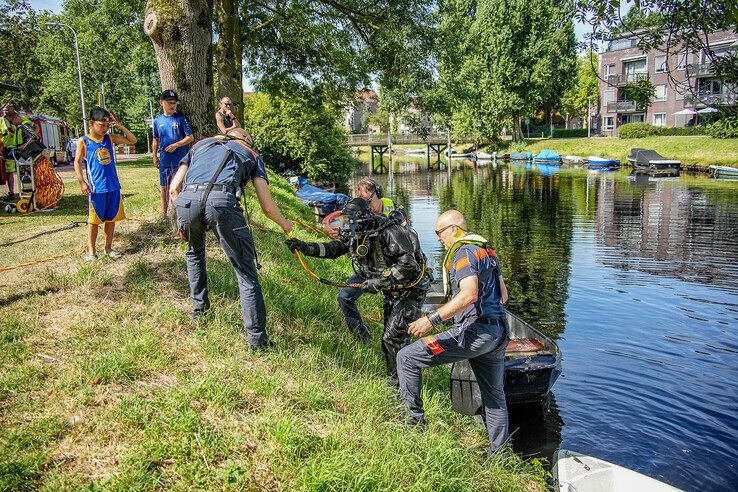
<point>650,159</point>
<point>532,365</point>
<point>596,161</point>
<point>574,160</point>
<point>521,156</point>
<point>574,471</point>
<point>483,155</point>
<point>723,172</point>
<point>547,155</point>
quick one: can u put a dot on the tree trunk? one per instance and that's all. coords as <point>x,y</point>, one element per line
<point>229,54</point>
<point>181,31</point>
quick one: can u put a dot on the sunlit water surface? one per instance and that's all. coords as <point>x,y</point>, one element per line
<point>637,279</point>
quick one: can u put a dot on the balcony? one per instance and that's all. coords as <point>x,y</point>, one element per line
<point>621,79</point>
<point>700,70</point>
<point>623,107</point>
<point>702,100</point>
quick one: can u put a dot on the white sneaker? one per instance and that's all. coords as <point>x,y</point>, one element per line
<point>90,258</point>
<point>114,254</point>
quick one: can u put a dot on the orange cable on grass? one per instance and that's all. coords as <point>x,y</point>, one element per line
<point>36,262</point>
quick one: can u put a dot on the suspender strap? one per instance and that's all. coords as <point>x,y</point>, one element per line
<point>209,188</point>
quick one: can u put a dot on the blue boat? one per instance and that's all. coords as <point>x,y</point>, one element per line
<point>595,161</point>
<point>521,156</point>
<point>548,156</point>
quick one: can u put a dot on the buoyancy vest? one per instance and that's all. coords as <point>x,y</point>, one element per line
<point>474,239</point>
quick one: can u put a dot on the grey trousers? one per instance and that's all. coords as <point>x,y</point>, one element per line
<point>223,215</point>
<point>347,299</point>
<point>483,344</point>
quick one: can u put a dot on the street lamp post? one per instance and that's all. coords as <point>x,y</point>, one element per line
<point>589,116</point>
<point>79,71</point>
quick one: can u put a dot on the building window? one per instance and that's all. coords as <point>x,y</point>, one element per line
<point>609,70</point>
<point>661,92</point>
<point>683,60</point>
<point>608,123</point>
<point>660,64</point>
<point>659,119</point>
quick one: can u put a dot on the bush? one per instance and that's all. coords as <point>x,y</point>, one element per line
<point>725,128</point>
<point>573,133</point>
<point>681,132</point>
<point>637,130</point>
<point>641,130</point>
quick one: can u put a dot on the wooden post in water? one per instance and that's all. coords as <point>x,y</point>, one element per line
<point>448,151</point>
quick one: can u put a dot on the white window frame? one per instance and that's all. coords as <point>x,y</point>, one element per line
<point>682,60</point>
<point>661,67</point>
<point>605,126</point>
<point>666,93</point>
<point>654,119</point>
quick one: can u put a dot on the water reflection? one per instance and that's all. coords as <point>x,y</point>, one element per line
<point>637,278</point>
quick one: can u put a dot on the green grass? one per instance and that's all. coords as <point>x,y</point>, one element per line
<point>106,384</point>
<point>698,152</point>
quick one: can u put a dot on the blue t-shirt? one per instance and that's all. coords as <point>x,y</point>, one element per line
<point>206,155</point>
<point>99,161</point>
<point>470,260</point>
<point>169,130</point>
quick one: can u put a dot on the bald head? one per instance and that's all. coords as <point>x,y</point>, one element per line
<point>449,218</point>
<point>242,134</point>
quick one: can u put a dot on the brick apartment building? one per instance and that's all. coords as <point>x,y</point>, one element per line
<point>623,63</point>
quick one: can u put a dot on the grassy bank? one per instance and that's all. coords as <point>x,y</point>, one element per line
<point>697,152</point>
<point>105,383</point>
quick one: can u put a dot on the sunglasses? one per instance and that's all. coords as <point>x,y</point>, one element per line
<point>438,233</point>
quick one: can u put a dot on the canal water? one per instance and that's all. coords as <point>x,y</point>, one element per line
<point>637,280</point>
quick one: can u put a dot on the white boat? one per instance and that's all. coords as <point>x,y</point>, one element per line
<point>484,156</point>
<point>421,151</point>
<point>579,472</point>
<point>574,159</point>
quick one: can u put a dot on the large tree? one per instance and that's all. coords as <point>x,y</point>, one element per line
<point>578,99</point>
<point>182,34</point>
<point>499,60</point>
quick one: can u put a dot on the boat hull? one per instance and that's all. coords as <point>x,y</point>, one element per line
<point>529,376</point>
<point>574,471</point>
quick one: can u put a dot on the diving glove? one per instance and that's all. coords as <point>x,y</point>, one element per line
<point>373,285</point>
<point>310,249</point>
<point>295,245</point>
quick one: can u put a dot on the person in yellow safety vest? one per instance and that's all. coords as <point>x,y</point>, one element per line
<point>12,136</point>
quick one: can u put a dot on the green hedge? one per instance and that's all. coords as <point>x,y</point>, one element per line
<point>637,130</point>
<point>641,130</point>
<point>573,133</point>
<point>725,128</point>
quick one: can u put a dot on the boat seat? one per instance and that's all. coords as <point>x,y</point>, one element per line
<point>518,345</point>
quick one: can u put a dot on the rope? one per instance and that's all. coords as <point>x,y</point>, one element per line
<point>52,231</point>
<point>36,262</point>
<point>307,268</point>
<point>341,284</point>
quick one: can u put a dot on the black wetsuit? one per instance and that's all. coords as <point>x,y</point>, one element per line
<point>389,256</point>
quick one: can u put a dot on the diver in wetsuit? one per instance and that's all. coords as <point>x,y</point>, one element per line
<point>387,258</point>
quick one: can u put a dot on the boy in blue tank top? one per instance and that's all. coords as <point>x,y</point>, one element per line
<point>172,139</point>
<point>96,152</point>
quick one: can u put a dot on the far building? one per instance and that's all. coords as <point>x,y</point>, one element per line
<point>694,85</point>
<point>356,119</point>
